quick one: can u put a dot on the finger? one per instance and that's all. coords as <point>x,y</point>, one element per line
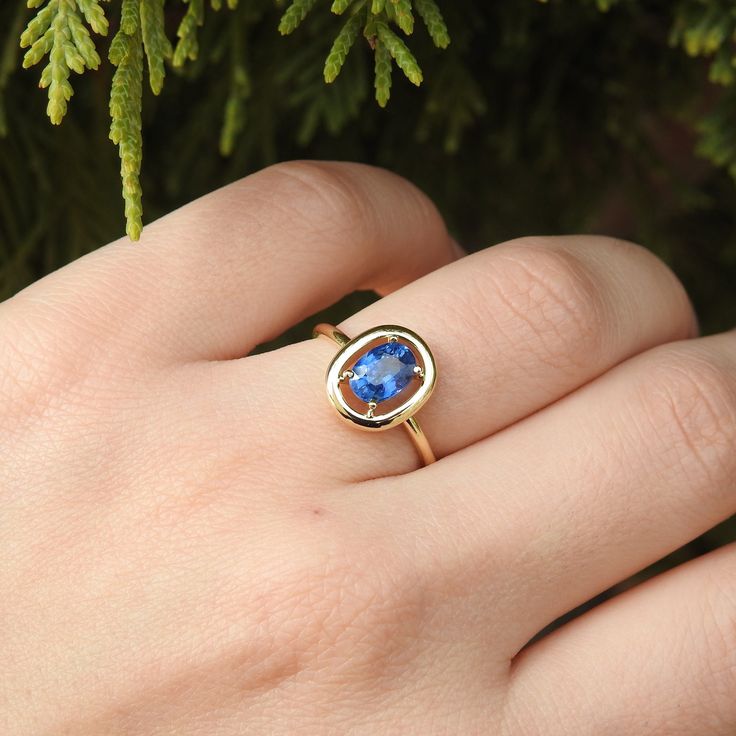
<point>518,326</point>
<point>596,487</point>
<point>242,264</point>
<point>513,328</point>
<point>658,660</point>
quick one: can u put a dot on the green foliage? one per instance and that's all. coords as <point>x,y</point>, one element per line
<point>382,73</point>
<point>296,13</point>
<point>400,53</point>
<point>432,17</point>
<point>238,94</point>
<point>188,44</point>
<point>57,31</point>
<point>155,42</point>
<point>126,54</point>
<point>340,48</point>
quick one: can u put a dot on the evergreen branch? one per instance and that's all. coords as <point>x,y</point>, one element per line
<point>60,63</point>
<point>188,45</point>
<point>83,42</point>
<point>129,17</point>
<point>155,42</point>
<point>57,30</point>
<point>234,119</point>
<point>118,48</point>
<point>217,4</point>
<point>240,88</point>
<point>722,68</point>
<point>340,6</point>
<point>94,15</point>
<point>126,53</point>
<point>708,35</point>
<point>382,73</point>
<point>342,45</point>
<point>38,25</point>
<point>377,24</point>
<point>432,17</point>
<point>707,30</point>
<point>294,15</point>
<point>400,53</point>
<point>718,134</point>
<point>404,17</point>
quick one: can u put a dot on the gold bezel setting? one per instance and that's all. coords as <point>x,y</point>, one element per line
<point>339,371</point>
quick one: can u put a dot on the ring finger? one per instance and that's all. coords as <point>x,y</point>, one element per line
<point>513,329</point>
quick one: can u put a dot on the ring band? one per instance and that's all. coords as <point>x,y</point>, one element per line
<point>381,379</point>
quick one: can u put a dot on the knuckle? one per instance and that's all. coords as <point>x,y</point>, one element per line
<point>690,399</point>
<point>326,195</point>
<point>639,265</point>
<point>547,295</point>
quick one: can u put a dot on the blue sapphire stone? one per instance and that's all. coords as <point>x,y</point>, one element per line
<point>382,372</point>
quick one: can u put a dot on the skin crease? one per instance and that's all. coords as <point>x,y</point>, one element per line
<point>192,543</point>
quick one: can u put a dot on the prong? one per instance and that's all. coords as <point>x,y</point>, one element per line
<point>345,375</point>
<point>418,371</point>
<point>371,408</point>
<point>393,338</point>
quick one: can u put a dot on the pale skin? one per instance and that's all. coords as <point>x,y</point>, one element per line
<point>193,542</point>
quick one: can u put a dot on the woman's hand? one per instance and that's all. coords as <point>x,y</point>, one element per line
<point>192,542</point>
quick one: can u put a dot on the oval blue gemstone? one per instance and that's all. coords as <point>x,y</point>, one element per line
<point>382,372</point>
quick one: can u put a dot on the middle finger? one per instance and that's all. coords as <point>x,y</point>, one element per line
<point>513,329</point>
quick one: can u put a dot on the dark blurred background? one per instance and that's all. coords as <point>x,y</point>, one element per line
<point>540,118</point>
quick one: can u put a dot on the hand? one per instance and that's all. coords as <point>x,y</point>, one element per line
<point>192,542</point>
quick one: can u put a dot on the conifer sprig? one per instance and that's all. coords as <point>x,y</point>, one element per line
<point>58,31</point>
<point>187,48</point>
<point>400,53</point>
<point>126,54</point>
<point>382,73</point>
<point>294,15</point>
<point>238,94</point>
<point>343,42</point>
<point>709,30</point>
<point>376,17</point>
<point>155,42</point>
<point>432,17</point>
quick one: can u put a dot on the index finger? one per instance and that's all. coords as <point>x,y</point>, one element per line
<point>242,264</point>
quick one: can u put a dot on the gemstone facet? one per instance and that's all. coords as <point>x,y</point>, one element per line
<point>383,372</point>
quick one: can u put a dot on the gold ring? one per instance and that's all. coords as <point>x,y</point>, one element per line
<point>380,379</point>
